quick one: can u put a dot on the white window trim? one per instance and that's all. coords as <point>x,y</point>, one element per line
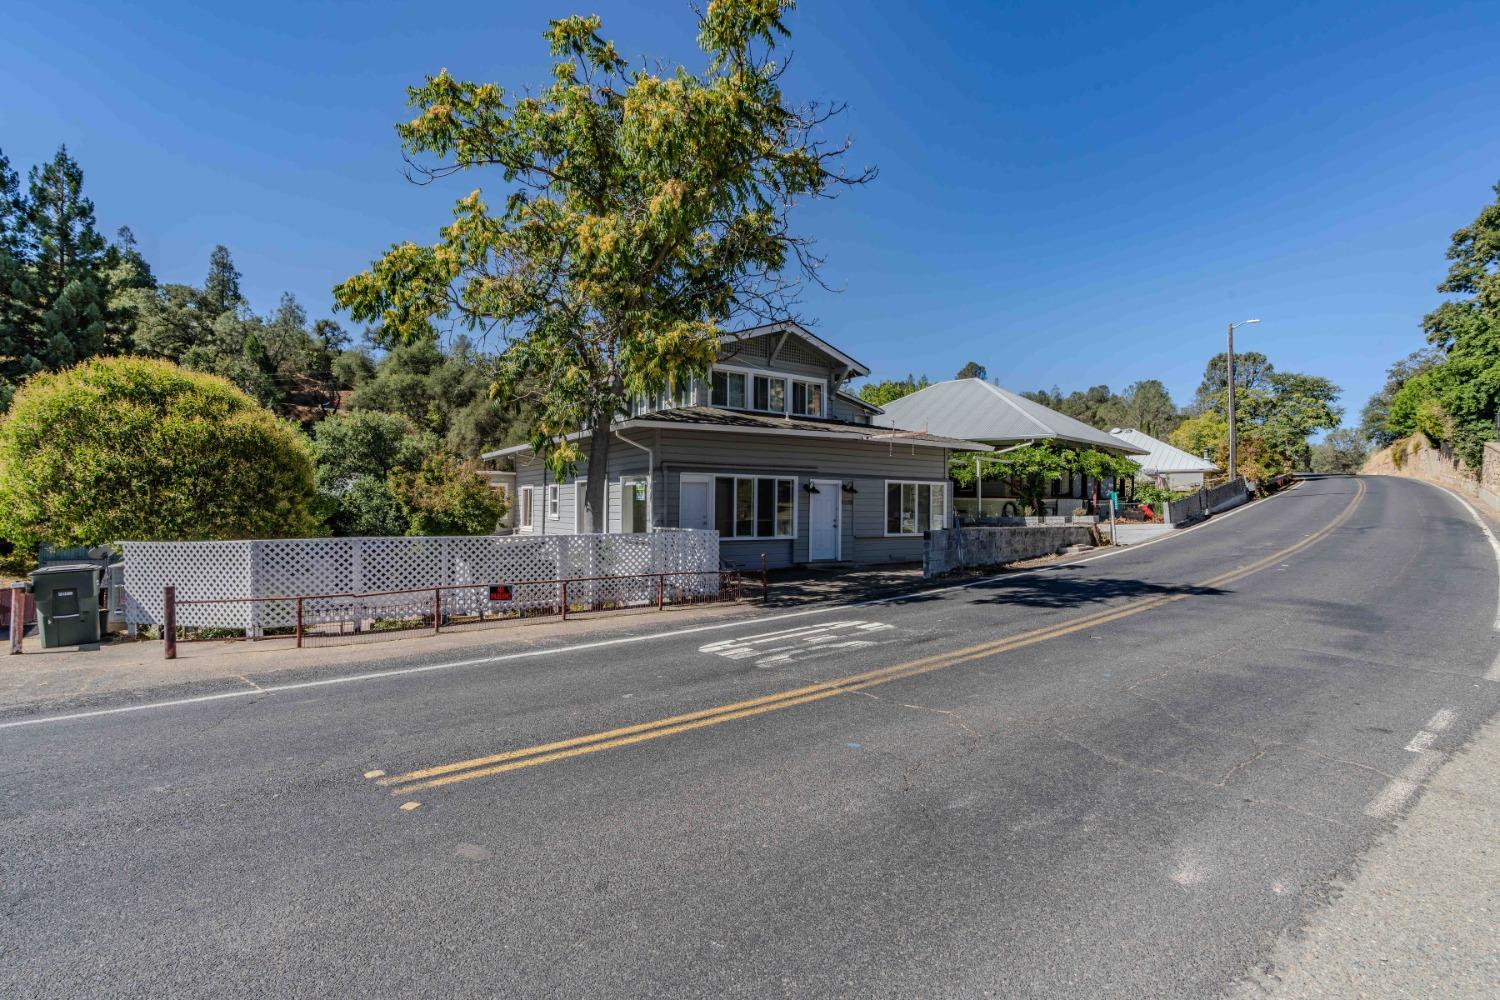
<point>786,378</point>
<point>554,502</point>
<point>709,477</point>
<point>640,477</point>
<point>526,515</point>
<point>580,487</point>
<point>885,506</point>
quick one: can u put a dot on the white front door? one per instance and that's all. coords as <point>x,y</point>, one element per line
<point>692,503</point>
<point>580,487</point>
<point>823,511</point>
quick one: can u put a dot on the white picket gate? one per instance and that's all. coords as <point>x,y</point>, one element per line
<point>358,569</point>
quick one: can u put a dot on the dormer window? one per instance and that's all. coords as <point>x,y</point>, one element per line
<point>807,399</point>
<point>769,394</point>
<point>762,391</point>
<point>729,389</point>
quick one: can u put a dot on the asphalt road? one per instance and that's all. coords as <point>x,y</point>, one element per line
<point>1124,778</point>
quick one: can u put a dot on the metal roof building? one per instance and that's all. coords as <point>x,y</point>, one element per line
<point>975,410</point>
<point>1161,459</point>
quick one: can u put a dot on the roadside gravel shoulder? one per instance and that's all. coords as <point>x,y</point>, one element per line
<point>1419,919</point>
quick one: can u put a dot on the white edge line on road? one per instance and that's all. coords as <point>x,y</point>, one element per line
<point>375,675</point>
<point>1492,674</point>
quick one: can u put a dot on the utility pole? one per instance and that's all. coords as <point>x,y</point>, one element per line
<point>1229,359</point>
<point>1229,364</point>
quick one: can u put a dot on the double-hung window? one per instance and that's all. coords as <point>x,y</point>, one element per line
<point>553,503</point>
<point>768,394</point>
<point>807,399</point>
<point>729,389</point>
<point>912,508</point>
<point>753,506</point>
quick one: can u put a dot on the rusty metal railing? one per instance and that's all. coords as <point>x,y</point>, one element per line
<point>430,617</point>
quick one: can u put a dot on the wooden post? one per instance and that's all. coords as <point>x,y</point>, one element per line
<point>169,620</point>
<point>765,584</point>
<point>17,616</point>
<point>299,623</point>
<point>437,610</point>
<point>565,600</point>
<point>661,579</point>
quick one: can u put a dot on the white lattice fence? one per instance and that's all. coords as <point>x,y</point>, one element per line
<point>353,570</point>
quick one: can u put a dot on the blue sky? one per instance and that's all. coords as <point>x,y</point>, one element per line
<point>1070,195</point>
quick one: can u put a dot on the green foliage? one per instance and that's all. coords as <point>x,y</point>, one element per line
<point>640,210</point>
<point>1275,414</point>
<point>1030,469</point>
<point>1145,405</point>
<point>129,448</point>
<point>366,443</point>
<point>880,393</point>
<point>1374,422</point>
<point>1451,392</point>
<point>973,370</point>
<point>1343,451</point>
<point>442,496</point>
<point>1147,491</point>
<point>365,507</point>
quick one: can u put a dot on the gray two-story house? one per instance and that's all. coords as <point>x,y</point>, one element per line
<point>768,449</point>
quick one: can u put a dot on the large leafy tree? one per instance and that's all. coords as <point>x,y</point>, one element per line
<point>639,210</point>
<point>202,461</point>
<point>1454,394</point>
<point>1147,406</point>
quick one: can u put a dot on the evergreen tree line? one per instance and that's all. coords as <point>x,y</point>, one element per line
<point>68,294</point>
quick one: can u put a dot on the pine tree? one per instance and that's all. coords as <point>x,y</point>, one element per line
<point>221,289</point>
<point>18,313</point>
<point>62,225</point>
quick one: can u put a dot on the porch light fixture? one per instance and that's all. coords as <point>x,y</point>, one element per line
<point>849,489</point>
<point>810,488</point>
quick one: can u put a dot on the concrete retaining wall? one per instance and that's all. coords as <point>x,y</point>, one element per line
<point>1206,502</point>
<point>960,548</point>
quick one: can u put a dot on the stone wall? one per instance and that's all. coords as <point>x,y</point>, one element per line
<point>963,548</point>
<point>1206,502</point>
<point>1417,457</point>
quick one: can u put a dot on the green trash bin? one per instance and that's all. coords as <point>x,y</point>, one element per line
<point>67,603</point>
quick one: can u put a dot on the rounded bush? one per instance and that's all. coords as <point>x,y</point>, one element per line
<point>130,448</point>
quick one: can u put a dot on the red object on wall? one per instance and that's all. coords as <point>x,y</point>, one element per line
<point>1146,509</point>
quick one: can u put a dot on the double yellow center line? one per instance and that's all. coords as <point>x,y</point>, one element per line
<point>546,753</point>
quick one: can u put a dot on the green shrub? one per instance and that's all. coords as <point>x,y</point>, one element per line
<point>130,448</point>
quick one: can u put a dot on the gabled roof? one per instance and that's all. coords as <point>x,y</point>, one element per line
<point>1161,457</point>
<point>709,418</point>
<point>797,330</point>
<point>975,410</point>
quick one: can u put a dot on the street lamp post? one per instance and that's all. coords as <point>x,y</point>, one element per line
<point>1230,366</point>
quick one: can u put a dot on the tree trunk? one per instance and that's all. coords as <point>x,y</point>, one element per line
<point>596,491</point>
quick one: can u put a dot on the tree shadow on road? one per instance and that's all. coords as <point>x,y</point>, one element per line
<point>1061,592</point>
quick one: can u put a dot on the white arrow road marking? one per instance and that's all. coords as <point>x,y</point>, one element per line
<point>788,645</point>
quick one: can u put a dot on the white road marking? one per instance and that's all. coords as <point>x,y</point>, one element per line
<point>835,608</point>
<point>797,644</point>
<point>1394,793</point>
<point>1422,742</point>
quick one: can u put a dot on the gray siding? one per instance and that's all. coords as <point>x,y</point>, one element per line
<point>865,465</point>
<point>796,357</point>
<point>623,461</point>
